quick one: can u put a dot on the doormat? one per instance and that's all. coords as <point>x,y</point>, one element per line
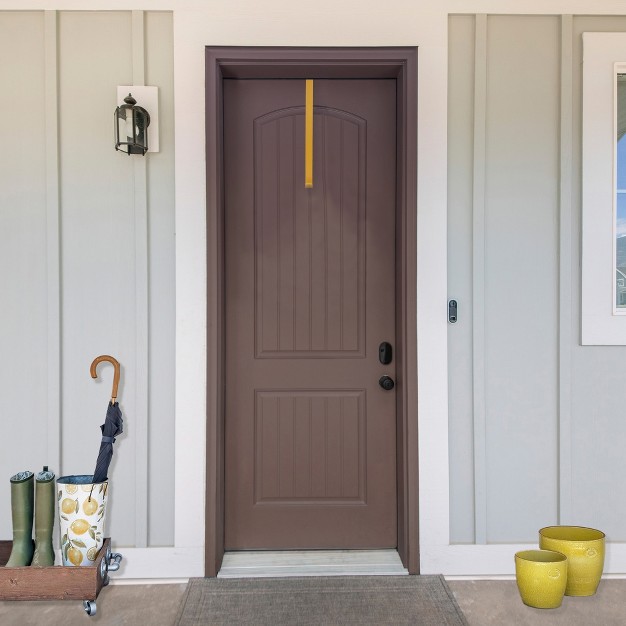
<point>333,600</point>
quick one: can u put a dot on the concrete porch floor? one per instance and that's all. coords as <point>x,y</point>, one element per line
<point>484,603</point>
<point>489,602</point>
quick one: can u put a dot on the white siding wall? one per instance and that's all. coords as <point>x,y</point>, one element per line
<point>23,279</point>
<point>60,171</point>
<point>598,377</point>
<point>536,422</point>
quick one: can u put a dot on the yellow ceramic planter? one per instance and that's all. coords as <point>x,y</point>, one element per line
<point>584,549</point>
<point>541,577</point>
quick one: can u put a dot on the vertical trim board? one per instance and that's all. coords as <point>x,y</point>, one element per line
<point>161,288</point>
<point>53,252</point>
<point>478,280</point>
<point>141,304</point>
<point>565,274</point>
<point>407,303</point>
<point>138,43</point>
<point>214,457</point>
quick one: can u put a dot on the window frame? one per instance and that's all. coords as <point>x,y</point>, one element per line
<point>602,323</point>
<point>619,68</point>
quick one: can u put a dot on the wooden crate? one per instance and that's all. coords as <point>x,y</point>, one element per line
<point>51,583</point>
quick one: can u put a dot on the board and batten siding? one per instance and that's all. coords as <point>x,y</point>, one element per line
<point>88,260</point>
<point>537,427</point>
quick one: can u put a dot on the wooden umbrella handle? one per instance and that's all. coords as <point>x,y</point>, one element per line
<point>116,375</point>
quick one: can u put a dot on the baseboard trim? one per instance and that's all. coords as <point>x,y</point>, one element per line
<point>497,560</point>
<point>471,562</point>
<point>149,564</point>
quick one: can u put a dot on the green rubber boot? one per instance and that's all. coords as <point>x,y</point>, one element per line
<point>44,518</point>
<point>22,514</point>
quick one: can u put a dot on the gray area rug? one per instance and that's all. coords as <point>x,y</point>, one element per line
<point>423,600</point>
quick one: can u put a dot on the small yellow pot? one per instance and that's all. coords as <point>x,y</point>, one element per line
<point>584,549</point>
<point>541,577</point>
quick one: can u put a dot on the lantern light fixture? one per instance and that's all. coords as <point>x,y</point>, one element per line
<point>131,127</point>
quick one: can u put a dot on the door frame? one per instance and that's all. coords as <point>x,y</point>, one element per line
<point>260,62</point>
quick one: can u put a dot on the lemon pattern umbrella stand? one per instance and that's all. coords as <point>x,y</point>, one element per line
<point>82,511</point>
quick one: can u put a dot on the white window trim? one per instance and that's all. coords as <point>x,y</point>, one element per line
<point>602,324</point>
<point>619,68</point>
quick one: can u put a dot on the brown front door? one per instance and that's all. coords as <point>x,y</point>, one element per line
<point>310,457</point>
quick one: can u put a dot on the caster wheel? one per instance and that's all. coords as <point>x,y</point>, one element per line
<point>104,571</point>
<point>90,607</point>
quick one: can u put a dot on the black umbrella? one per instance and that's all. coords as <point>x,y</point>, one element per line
<point>113,423</point>
<point>112,427</point>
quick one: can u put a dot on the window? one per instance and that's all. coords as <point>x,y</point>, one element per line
<point>620,191</point>
<point>604,189</point>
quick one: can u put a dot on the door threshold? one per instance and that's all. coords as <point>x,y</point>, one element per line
<point>291,563</point>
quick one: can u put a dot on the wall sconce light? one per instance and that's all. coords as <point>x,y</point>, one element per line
<point>131,127</point>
